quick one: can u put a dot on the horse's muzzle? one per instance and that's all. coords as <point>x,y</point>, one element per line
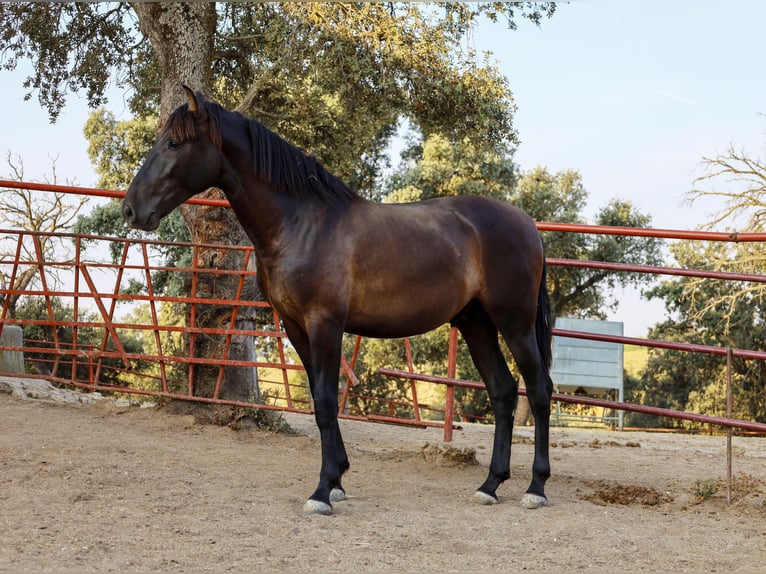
<point>150,223</point>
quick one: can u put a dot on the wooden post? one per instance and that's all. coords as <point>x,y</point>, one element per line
<point>449,403</point>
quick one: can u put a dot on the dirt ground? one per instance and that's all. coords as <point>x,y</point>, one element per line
<point>108,487</point>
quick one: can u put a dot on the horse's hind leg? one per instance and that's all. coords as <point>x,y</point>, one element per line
<point>539,389</point>
<point>480,334</point>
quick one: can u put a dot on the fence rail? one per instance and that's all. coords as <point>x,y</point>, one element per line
<point>99,315</point>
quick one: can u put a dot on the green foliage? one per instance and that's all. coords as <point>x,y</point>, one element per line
<point>73,46</point>
<point>334,78</point>
<point>337,79</point>
<point>117,149</point>
<point>559,197</point>
<point>438,168</point>
<point>704,489</point>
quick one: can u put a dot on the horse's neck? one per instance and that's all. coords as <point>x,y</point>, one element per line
<point>261,212</point>
<point>271,218</point>
<point>267,215</point>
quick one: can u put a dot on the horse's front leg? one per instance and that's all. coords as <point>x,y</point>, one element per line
<point>322,363</point>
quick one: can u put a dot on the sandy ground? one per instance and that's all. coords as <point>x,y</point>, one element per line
<point>105,487</point>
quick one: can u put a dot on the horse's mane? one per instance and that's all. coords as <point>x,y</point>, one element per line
<point>274,160</point>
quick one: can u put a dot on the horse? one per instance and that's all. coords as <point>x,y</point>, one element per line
<point>330,261</point>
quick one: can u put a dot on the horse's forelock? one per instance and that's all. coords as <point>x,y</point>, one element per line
<point>181,125</point>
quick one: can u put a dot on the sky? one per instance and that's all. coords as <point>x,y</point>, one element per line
<point>632,94</point>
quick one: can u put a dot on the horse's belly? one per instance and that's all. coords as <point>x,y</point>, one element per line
<point>404,314</point>
<point>380,328</point>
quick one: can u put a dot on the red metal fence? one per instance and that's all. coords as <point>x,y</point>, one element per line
<point>94,333</point>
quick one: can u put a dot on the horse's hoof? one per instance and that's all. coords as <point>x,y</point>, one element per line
<point>337,494</point>
<point>533,501</point>
<point>317,507</point>
<point>484,498</point>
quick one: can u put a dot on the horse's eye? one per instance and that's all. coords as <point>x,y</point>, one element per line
<point>173,143</point>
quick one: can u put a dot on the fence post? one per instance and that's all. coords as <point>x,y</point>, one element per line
<point>729,429</point>
<point>449,402</point>
<point>11,361</point>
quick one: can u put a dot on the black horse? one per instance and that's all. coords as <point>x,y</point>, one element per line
<point>331,262</point>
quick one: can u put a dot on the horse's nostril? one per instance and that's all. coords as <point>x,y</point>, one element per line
<point>127,213</point>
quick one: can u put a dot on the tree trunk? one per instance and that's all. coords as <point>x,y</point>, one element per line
<point>182,36</point>
<point>219,226</point>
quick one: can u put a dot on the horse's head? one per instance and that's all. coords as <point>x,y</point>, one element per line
<point>185,160</point>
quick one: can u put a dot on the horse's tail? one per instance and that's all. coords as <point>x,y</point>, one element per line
<point>543,324</point>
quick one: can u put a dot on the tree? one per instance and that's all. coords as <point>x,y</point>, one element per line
<point>437,167</point>
<point>704,311</point>
<point>73,47</point>
<point>314,72</point>
<point>739,179</point>
<point>333,78</point>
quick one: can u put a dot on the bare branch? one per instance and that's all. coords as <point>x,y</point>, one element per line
<point>738,179</point>
<point>36,211</point>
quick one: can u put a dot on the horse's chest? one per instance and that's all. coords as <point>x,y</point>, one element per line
<point>295,289</point>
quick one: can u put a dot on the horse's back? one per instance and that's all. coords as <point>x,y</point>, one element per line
<point>496,232</point>
<point>503,230</point>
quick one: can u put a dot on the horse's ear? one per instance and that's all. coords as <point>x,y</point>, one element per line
<point>191,98</point>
